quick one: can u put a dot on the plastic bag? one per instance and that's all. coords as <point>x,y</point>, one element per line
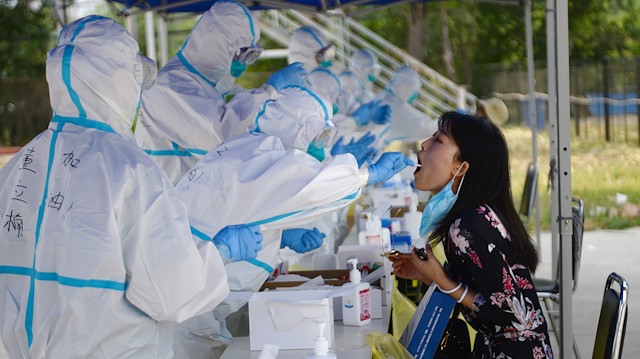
<point>402,309</point>
<point>385,346</point>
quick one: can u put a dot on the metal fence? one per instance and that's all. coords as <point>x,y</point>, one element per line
<point>604,96</point>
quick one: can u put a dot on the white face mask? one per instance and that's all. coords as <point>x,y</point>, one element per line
<point>439,205</point>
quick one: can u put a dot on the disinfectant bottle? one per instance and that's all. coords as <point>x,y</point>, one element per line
<point>412,218</point>
<point>356,306</point>
<point>321,345</point>
<point>372,235</point>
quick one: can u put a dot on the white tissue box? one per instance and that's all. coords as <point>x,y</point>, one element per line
<point>288,318</point>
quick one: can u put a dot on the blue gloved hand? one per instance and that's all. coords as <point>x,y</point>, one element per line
<point>388,165</point>
<point>302,240</point>
<point>361,149</point>
<point>242,242</point>
<point>382,115</point>
<point>290,75</point>
<point>364,113</point>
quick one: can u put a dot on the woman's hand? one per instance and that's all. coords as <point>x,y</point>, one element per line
<point>406,266</point>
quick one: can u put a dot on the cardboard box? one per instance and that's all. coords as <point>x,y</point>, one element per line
<point>288,318</point>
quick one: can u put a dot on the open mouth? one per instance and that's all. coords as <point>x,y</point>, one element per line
<point>418,167</point>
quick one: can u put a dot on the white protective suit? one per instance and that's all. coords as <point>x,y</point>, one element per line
<point>407,123</point>
<point>304,44</point>
<point>364,64</point>
<point>96,254</point>
<point>184,114</point>
<point>326,84</point>
<point>352,92</point>
<point>263,177</point>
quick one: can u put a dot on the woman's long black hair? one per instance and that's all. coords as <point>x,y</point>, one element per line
<point>487,181</point>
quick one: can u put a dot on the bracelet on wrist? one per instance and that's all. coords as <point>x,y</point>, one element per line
<point>450,290</point>
<point>464,294</point>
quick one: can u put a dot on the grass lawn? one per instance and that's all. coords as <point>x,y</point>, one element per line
<point>599,170</point>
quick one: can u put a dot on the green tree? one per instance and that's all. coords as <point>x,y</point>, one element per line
<point>27,34</point>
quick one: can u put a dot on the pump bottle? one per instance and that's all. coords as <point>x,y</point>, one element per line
<point>356,306</point>
<point>321,345</point>
<point>412,218</point>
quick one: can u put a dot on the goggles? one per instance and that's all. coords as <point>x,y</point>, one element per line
<point>325,54</point>
<point>327,136</point>
<point>248,55</point>
<point>145,71</point>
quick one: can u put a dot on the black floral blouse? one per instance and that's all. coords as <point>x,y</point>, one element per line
<point>506,311</point>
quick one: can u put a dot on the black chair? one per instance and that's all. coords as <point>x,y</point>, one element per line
<point>612,323</point>
<point>549,289</point>
<point>529,193</point>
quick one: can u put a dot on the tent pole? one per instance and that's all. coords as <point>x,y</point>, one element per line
<point>532,108</point>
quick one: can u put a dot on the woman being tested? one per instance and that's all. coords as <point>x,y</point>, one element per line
<point>490,257</point>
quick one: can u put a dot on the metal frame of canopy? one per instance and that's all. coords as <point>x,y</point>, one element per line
<point>557,36</point>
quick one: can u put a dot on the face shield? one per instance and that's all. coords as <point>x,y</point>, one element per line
<point>145,71</point>
<point>325,55</point>
<point>327,136</point>
<point>323,141</point>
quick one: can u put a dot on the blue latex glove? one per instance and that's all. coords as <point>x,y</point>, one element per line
<point>364,113</point>
<point>382,115</point>
<point>302,240</point>
<point>290,75</point>
<point>239,242</point>
<point>361,149</point>
<point>388,165</point>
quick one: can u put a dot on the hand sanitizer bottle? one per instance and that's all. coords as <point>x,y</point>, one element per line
<point>356,306</point>
<point>413,218</point>
<point>321,345</point>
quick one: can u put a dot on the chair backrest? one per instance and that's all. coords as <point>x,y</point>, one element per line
<point>612,323</point>
<point>529,192</point>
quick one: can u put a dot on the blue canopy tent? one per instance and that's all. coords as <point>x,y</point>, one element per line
<point>559,109</point>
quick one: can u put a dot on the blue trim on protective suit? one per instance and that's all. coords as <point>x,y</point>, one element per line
<point>264,108</point>
<point>253,34</point>
<point>190,67</point>
<point>28,320</point>
<point>322,69</point>
<point>66,77</point>
<point>200,235</point>
<point>68,281</point>
<point>261,264</point>
<point>314,36</point>
<point>61,120</point>
<point>312,94</point>
<point>175,151</point>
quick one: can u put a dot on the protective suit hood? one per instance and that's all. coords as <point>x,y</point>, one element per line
<point>304,43</point>
<point>295,126</point>
<point>325,83</point>
<point>95,74</point>
<point>362,62</point>
<point>221,31</point>
<point>405,83</point>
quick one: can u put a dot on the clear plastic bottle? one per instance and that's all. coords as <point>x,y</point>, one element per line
<point>321,345</point>
<point>356,306</point>
<point>372,235</point>
<point>412,218</point>
<point>325,259</point>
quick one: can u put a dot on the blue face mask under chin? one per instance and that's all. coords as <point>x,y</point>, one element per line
<point>439,205</point>
<point>336,108</point>
<point>326,63</point>
<point>371,77</point>
<point>237,68</point>
<point>316,152</point>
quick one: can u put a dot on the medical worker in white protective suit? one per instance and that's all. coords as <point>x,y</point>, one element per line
<point>184,114</point>
<point>96,255</point>
<point>407,123</point>
<point>272,176</point>
<point>364,64</point>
